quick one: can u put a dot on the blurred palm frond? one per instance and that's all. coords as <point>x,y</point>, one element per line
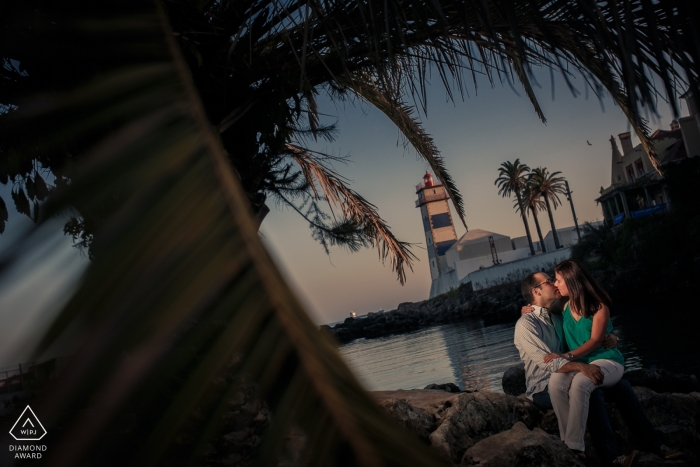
<point>183,302</point>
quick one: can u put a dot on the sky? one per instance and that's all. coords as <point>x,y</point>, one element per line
<point>475,135</point>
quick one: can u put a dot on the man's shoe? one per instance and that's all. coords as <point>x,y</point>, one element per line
<point>669,454</point>
<point>628,460</point>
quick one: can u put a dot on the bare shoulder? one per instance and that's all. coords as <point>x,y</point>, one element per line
<point>602,313</point>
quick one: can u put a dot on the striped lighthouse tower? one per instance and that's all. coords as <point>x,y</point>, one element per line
<point>439,229</point>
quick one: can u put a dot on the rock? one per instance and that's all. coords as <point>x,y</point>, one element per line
<point>435,404</point>
<point>646,459</point>
<point>481,427</point>
<point>500,304</point>
<point>550,424</point>
<point>520,447</point>
<point>459,420</point>
<point>480,415</point>
<point>662,380</point>
<point>513,381</point>
<point>506,311</point>
<point>415,420</point>
<point>447,387</point>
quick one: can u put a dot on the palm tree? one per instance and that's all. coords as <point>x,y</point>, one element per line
<point>513,180</point>
<point>258,67</point>
<point>532,199</point>
<point>168,124</point>
<point>550,186</point>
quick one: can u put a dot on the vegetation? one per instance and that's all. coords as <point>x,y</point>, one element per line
<point>550,186</point>
<point>512,179</point>
<point>533,190</point>
<point>532,199</point>
<point>654,243</point>
<point>167,125</point>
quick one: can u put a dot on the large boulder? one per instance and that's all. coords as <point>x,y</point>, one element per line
<point>520,447</point>
<point>447,387</point>
<point>476,416</point>
<point>676,418</point>
<point>466,428</point>
<point>460,420</point>
<point>662,380</point>
<point>419,411</point>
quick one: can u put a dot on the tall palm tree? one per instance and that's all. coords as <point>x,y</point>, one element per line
<point>550,186</point>
<point>532,199</point>
<point>168,124</point>
<point>512,180</point>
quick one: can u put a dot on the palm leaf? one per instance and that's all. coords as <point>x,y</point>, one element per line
<point>182,293</point>
<point>355,209</point>
<point>388,100</point>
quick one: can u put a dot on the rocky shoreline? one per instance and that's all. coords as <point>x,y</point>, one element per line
<point>500,430</point>
<point>496,305</point>
<point>492,429</point>
<point>630,290</point>
<point>467,429</point>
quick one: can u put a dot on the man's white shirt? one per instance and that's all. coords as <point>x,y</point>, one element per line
<point>537,334</point>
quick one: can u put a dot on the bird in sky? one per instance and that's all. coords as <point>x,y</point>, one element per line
<point>589,143</point>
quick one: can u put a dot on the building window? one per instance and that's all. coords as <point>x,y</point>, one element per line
<point>440,220</point>
<point>442,247</point>
<point>639,166</point>
<point>619,178</point>
<point>630,173</point>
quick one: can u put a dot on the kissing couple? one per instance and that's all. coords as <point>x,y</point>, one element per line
<point>572,363</point>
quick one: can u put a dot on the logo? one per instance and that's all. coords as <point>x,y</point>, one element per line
<point>28,427</point>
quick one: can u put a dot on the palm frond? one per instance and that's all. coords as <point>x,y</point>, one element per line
<point>357,213</point>
<point>387,99</point>
<point>182,293</point>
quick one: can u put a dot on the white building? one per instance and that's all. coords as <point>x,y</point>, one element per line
<point>452,260</point>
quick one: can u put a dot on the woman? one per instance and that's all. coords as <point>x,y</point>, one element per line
<point>586,320</point>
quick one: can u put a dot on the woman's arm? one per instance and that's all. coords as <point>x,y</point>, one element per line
<point>598,330</point>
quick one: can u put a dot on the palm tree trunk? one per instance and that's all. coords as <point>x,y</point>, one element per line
<point>557,245</point>
<point>527,227</point>
<point>539,231</point>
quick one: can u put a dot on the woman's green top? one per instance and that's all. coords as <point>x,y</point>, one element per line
<point>578,332</point>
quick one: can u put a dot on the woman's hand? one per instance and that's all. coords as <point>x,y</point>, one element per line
<point>551,356</point>
<point>526,309</point>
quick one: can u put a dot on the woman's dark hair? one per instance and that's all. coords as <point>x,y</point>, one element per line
<point>586,294</point>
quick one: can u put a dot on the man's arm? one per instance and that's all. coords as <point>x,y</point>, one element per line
<point>531,346</point>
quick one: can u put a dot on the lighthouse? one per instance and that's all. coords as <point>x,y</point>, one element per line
<point>439,229</point>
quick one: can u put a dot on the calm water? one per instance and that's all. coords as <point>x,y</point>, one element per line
<point>474,356</point>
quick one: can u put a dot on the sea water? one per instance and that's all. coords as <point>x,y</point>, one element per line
<point>469,354</point>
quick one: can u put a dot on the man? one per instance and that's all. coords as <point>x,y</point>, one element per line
<point>540,332</point>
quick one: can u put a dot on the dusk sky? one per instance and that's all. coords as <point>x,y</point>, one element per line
<point>474,136</point>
